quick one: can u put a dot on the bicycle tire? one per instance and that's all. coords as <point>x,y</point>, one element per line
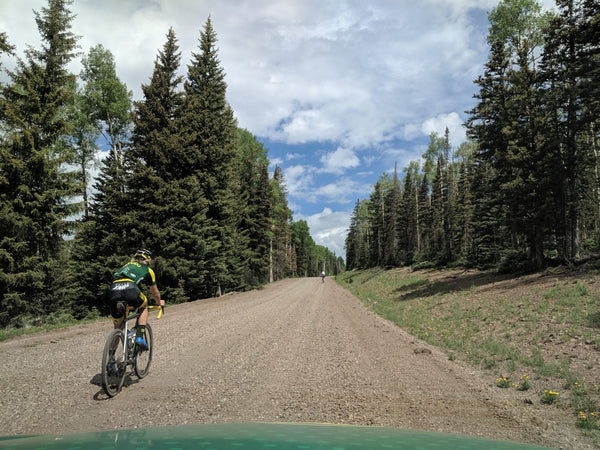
<point>112,381</point>
<point>143,358</point>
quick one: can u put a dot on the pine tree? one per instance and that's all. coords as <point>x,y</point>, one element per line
<point>486,127</point>
<point>525,191</point>
<point>354,243</point>
<point>438,236</point>
<point>424,214</point>
<point>463,234</point>
<point>304,245</point>
<point>376,214</point>
<point>391,222</point>
<point>255,216</point>
<point>409,231</point>
<point>281,262</point>
<point>170,204</point>
<point>210,130</point>
<point>35,191</point>
<point>155,139</point>
<point>464,214</point>
<point>569,66</point>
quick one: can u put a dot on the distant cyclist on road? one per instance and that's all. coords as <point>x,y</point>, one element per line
<point>323,276</point>
<point>126,290</point>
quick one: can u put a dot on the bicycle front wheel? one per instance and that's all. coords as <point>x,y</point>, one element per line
<point>143,358</point>
<point>114,363</point>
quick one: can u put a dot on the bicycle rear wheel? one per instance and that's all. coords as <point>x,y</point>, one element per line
<point>143,358</point>
<point>113,364</point>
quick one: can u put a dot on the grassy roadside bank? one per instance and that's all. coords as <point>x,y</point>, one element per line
<point>49,323</point>
<point>538,333</point>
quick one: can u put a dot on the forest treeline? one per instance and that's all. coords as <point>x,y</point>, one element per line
<point>524,190</point>
<point>180,178</point>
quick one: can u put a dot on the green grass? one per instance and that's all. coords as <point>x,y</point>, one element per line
<point>506,331</point>
<point>51,322</point>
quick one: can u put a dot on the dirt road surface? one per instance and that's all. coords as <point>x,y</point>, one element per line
<point>296,351</point>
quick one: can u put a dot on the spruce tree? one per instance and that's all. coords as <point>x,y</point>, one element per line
<point>209,126</point>
<point>170,203</point>
<point>391,218</point>
<point>36,192</point>
<point>464,214</point>
<point>304,246</point>
<point>409,232</point>
<point>281,242</point>
<point>376,214</point>
<point>569,68</point>
<point>424,214</point>
<point>354,240</point>
<point>525,191</point>
<point>255,214</point>
<point>486,127</point>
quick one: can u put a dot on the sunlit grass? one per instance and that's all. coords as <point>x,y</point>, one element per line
<point>500,333</point>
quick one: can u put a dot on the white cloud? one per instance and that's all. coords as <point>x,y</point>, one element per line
<point>329,229</point>
<point>299,179</point>
<point>339,161</point>
<point>342,191</point>
<point>438,125</point>
<point>291,156</point>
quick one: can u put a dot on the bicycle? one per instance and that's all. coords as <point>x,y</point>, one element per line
<point>121,351</point>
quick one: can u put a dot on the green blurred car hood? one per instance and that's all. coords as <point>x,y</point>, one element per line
<point>263,436</point>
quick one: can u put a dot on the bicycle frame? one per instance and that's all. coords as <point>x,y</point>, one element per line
<point>114,376</point>
<point>125,328</point>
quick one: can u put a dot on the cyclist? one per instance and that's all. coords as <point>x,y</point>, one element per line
<point>323,276</point>
<point>125,289</point>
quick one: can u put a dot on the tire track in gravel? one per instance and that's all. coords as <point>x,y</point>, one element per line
<point>295,351</point>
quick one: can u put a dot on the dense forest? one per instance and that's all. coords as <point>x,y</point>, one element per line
<point>179,177</point>
<point>524,191</point>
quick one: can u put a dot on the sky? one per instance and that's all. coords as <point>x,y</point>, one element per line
<point>338,91</point>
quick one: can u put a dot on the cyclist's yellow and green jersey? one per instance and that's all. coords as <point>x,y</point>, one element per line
<point>126,288</point>
<point>137,273</point>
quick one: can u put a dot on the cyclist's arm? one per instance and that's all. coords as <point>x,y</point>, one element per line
<point>156,295</point>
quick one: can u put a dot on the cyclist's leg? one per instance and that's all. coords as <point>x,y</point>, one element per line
<point>142,309</point>
<point>141,304</point>
<point>117,313</point>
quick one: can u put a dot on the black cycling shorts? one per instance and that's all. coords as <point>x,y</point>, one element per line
<point>126,293</point>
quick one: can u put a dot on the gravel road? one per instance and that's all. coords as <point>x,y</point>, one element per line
<point>296,351</point>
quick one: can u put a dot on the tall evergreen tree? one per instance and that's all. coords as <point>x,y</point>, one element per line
<point>281,242</point>
<point>255,216</point>
<point>171,206</point>
<point>392,215</point>
<point>424,213</point>
<point>304,246</point>
<point>35,191</point>
<point>568,68</point>
<point>355,242</point>
<point>486,127</point>
<point>376,232</point>
<point>464,213</point>
<point>526,191</point>
<point>409,232</point>
<point>210,128</point>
